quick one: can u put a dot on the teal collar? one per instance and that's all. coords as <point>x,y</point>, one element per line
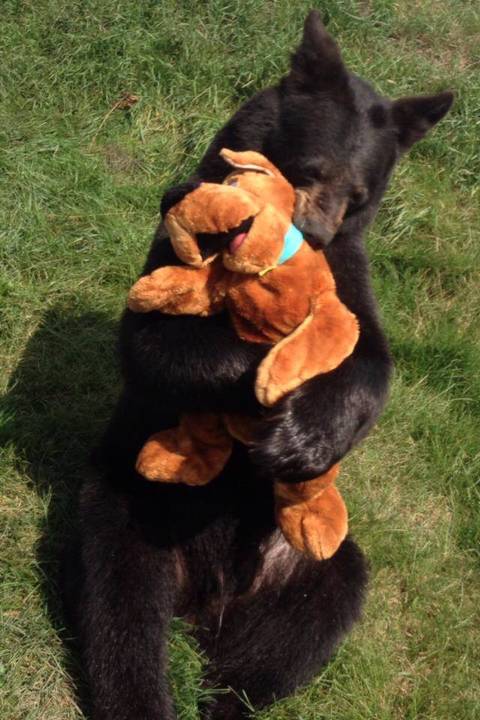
<point>292,242</point>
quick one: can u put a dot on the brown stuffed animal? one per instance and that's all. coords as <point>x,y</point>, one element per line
<point>278,291</point>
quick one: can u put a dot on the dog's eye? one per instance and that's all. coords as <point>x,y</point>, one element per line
<point>318,170</point>
<point>317,174</point>
<point>232,181</point>
<point>358,197</point>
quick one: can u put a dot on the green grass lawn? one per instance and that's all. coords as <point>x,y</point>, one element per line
<point>80,186</point>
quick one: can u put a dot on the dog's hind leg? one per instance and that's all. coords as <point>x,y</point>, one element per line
<point>277,637</point>
<point>122,598</point>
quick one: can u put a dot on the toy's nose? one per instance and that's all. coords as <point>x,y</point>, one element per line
<point>210,244</point>
<point>213,243</point>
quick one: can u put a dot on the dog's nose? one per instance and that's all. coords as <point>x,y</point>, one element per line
<point>317,233</point>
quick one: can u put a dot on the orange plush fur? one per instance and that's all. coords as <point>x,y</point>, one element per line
<point>291,306</point>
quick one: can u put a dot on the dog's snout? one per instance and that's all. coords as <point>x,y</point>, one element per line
<point>319,214</point>
<point>317,233</point>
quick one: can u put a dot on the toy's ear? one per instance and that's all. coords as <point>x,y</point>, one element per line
<point>183,242</point>
<point>250,160</point>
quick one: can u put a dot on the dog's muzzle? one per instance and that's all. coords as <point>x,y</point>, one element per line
<point>318,225</point>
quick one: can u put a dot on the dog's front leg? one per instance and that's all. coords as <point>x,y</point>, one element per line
<point>314,426</point>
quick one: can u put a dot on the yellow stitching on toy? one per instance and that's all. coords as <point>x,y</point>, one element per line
<point>267,270</point>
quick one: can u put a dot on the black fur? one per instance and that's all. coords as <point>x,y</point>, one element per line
<point>267,617</point>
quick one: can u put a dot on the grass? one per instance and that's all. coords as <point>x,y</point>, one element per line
<point>79,194</point>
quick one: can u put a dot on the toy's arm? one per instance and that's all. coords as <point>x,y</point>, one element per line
<point>181,290</point>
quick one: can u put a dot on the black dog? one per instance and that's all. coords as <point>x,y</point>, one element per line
<point>267,617</point>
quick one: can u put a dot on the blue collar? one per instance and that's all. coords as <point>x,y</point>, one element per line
<point>292,243</point>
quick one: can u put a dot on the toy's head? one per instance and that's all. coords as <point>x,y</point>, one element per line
<point>255,174</point>
<point>246,218</point>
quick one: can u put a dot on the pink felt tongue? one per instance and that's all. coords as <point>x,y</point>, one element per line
<point>236,242</point>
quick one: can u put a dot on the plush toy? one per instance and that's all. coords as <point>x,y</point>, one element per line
<point>278,291</point>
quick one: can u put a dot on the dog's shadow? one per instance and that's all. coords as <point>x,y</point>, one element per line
<point>58,400</point>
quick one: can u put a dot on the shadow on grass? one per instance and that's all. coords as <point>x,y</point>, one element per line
<point>59,400</point>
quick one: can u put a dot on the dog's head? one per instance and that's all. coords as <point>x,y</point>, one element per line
<point>337,140</point>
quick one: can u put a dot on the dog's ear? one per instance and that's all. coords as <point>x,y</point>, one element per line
<point>317,63</point>
<point>415,116</point>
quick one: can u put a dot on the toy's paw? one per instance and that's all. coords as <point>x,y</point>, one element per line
<point>145,295</point>
<point>180,290</point>
<point>171,458</point>
<point>316,527</point>
<point>150,292</point>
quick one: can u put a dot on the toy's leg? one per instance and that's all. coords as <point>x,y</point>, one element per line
<point>181,290</point>
<point>241,427</point>
<point>277,637</point>
<point>312,515</point>
<point>193,453</point>
<point>120,592</point>
<point>318,345</point>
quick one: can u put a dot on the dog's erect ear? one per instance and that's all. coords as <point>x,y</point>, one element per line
<point>317,63</point>
<point>250,160</point>
<point>415,116</point>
